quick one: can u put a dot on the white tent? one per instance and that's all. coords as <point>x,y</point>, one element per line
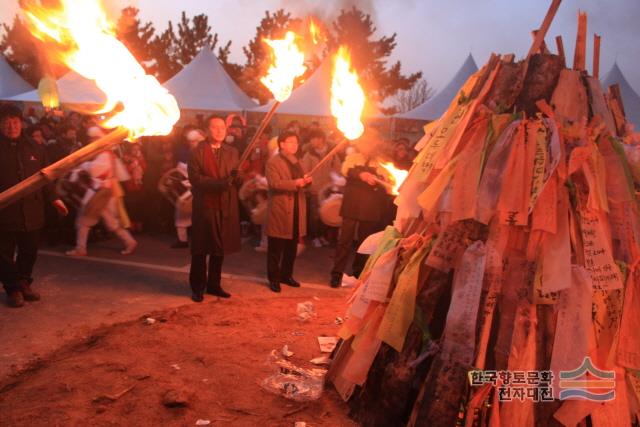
<point>436,106</point>
<point>204,85</point>
<point>630,97</point>
<point>72,89</point>
<point>10,82</point>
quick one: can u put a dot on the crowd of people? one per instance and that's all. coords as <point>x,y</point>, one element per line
<point>190,183</point>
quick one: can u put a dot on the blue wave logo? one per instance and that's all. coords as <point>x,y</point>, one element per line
<point>599,387</point>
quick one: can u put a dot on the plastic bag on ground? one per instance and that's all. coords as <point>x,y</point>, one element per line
<point>293,382</point>
<point>306,311</point>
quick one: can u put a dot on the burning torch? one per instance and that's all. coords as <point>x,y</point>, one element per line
<point>288,64</point>
<point>347,103</point>
<point>78,34</point>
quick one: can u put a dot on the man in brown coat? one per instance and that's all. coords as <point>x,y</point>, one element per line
<point>287,211</point>
<point>212,172</point>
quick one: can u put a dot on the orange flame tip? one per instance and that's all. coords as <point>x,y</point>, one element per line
<point>397,176</point>
<point>347,97</point>
<point>79,34</point>
<point>288,64</point>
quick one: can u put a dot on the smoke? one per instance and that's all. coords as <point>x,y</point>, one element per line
<point>113,8</point>
<point>327,11</point>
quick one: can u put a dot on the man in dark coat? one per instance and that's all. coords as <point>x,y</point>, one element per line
<point>212,172</point>
<point>21,221</point>
<point>362,203</point>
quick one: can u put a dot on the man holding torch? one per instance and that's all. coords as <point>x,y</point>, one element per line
<point>212,172</point>
<point>362,204</point>
<point>20,221</point>
<point>287,217</point>
<point>79,35</point>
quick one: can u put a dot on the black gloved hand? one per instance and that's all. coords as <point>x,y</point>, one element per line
<point>234,178</point>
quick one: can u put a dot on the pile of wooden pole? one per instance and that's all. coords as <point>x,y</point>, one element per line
<point>515,248</point>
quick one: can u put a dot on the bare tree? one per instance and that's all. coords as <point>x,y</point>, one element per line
<point>409,99</point>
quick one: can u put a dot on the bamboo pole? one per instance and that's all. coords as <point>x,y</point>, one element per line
<point>546,23</point>
<point>561,54</point>
<point>488,69</point>
<point>617,108</point>
<point>543,46</point>
<point>615,93</point>
<point>581,43</point>
<point>328,156</point>
<point>60,168</point>
<point>259,132</point>
<point>596,56</point>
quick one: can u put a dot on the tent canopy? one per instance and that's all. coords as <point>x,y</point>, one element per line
<point>201,85</point>
<point>204,85</point>
<point>436,106</point>
<point>10,82</point>
<point>630,97</point>
<point>72,89</point>
<point>313,97</point>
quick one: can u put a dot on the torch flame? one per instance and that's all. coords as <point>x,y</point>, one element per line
<point>314,31</point>
<point>397,176</point>
<point>287,65</point>
<point>347,97</point>
<point>79,34</point>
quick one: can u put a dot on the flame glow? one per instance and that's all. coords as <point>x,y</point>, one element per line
<point>287,65</point>
<point>397,176</point>
<point>79,34</point>
<point>314,31</point>
<point>347,96</point>
<point>48,92</point>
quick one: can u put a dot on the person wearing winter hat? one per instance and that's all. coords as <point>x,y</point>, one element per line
<point>21,221</point>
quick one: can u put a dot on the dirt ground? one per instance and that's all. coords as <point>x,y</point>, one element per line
<point>212,356</point>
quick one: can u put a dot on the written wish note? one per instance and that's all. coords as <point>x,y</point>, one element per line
<point>573,329</point>
<point>460,329</point>
<point>598,260</point>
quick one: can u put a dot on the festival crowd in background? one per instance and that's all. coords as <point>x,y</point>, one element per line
<point>164,184</point>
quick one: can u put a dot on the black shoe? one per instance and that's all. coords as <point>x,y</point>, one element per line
<point>28,293</point>
<point>274,286</point>
<point>197,297</point>
<point>180,245</point>
<point>336,281</point>
<point>15,299</point>
<point>291,282</point>
<point>219,292</point>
